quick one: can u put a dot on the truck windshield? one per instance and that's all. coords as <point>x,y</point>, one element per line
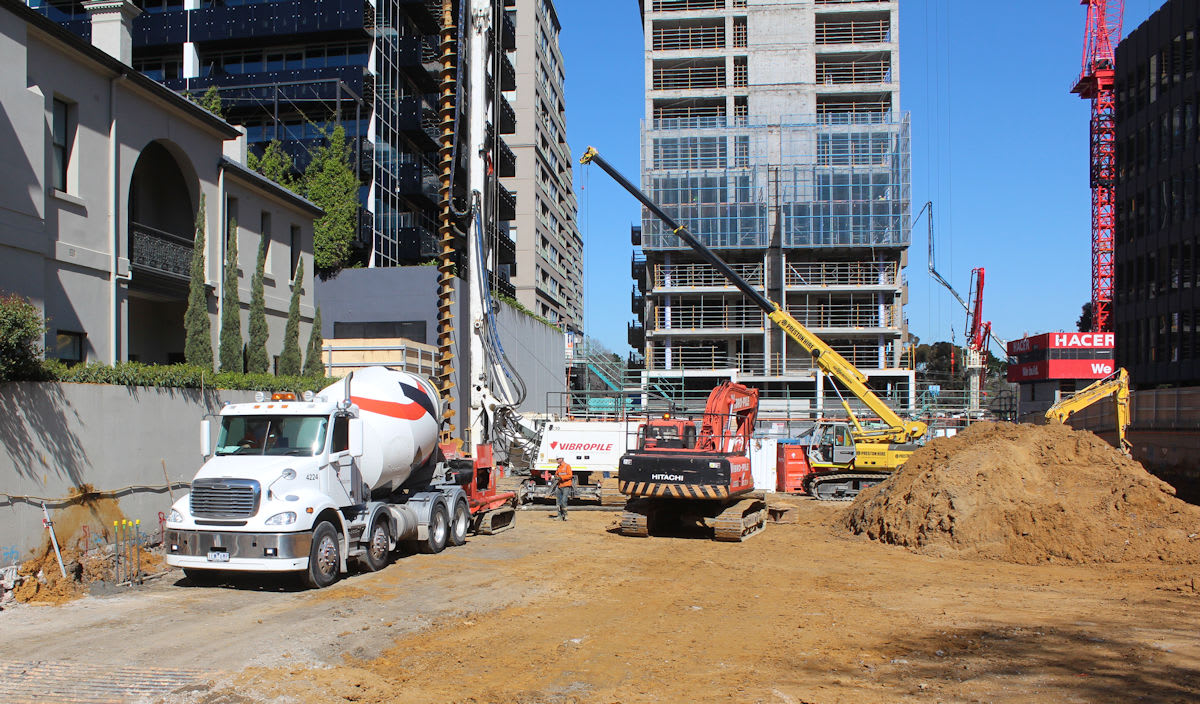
<point>272,435</point>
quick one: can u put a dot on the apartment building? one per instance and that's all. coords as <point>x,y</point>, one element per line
<point>548,275</point>
<point>773,131</point>
<point>1156,307</point>
<point>290,70</point>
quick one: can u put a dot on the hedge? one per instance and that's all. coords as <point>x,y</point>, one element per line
<point>176,376</point>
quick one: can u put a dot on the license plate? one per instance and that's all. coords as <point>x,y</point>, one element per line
<point>218,556</point>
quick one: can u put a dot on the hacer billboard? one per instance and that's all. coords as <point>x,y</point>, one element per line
<point>1061,355</point>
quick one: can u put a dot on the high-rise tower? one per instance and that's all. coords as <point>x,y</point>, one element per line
<point>772,129</point>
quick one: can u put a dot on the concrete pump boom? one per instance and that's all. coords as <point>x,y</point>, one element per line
<point>824,356</point>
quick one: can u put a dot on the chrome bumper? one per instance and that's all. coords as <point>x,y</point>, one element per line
<point>198,543</point>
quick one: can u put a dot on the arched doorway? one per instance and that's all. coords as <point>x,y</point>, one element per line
<point>162,211</point>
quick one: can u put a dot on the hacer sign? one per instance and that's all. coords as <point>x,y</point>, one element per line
<point>1060,340</point>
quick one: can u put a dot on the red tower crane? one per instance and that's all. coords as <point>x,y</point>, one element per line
<point>1095,83</point>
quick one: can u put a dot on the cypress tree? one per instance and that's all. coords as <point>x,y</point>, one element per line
<point>313,366</point>
<point>289,359</point>
<point>231,309</point>
<point>197,348</point>
<point>257,360</point>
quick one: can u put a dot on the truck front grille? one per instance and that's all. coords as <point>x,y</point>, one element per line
<point>225,498</point>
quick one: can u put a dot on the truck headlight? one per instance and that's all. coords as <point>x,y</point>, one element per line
<point>286,518</point>
<point>175,517</point>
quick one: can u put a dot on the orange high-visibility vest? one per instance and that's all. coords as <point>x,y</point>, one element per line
<point>564,473</point>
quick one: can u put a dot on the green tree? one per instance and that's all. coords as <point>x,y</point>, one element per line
<point>313,366</point>
<point>275,164</point>
<point>1084,323</point>
<point>197,347</point>
<point>231,308</point>
<point>211,101</point>
<point>257,360</point>
<point>289,359</point>
<point>21,331</point>
<point>329,181</point>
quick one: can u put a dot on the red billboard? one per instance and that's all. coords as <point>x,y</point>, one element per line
<point>1061,355</point>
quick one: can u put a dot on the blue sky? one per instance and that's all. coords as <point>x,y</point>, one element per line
<point>998,143</point>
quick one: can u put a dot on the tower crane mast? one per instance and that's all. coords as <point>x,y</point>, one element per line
<point>1095,83</point>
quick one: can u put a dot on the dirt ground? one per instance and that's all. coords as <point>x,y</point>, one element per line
<point>571,612</point>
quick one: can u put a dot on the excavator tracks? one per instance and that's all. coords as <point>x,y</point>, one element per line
<point>844,486</point>
<point>610,493</point>
<point>740,521</point>
<point>635,521</point>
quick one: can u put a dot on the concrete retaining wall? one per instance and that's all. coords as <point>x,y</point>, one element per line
<point>56,437</point>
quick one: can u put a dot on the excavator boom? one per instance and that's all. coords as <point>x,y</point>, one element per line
<point>1115,385</point>
<point>824,356</point>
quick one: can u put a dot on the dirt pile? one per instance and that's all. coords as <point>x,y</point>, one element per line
<point>1029,494</point>
<point>85,532</point>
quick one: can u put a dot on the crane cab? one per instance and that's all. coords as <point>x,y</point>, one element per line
<point>833,446</point>
<point>667,433</point>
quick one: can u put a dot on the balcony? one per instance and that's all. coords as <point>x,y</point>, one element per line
<point>635,334</point>
<point>741,317</point>
<point>826,275</point>
<point>875,69</point>
<point>417,58</point>
<point>418,181</point>
<point>220,23</point>
<point>689,76</point>
<point>848,317</point>
<point>506,159</point>
<point>703,276</point>
<point>508,33</point>
<point>506,118</point>
<point>706,36</point>
<point>508,74</point>
<point>159,253</point>
<point>506,206</point>
<point>687,5</point>
<point>417,120</point>
<point>853,31</point>
<point>416,243</point>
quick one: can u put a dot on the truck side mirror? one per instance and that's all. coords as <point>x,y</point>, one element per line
<point>356,437</point>
<point>205,438</point>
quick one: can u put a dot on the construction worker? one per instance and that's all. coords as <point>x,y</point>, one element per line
<point>564,477</point>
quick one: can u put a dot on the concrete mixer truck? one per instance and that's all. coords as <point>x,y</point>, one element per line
<point>313,485</point>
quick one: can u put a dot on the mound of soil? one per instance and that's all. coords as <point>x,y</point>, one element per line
<point>1029,494</point>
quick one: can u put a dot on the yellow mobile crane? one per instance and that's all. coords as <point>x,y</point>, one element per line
<point>1115,385</point>
<point>843,460</point>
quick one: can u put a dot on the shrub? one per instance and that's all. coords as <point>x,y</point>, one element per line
<point>177,376</point>
<point>21,331</point>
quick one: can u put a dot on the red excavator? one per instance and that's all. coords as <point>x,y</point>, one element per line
<point>701,478</point>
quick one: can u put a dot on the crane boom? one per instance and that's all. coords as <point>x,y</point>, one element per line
<point>1115,385</point>
<point>825,357</point>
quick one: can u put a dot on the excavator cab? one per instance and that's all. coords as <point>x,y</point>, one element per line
<point>833,444</point>
<point>667,434</point>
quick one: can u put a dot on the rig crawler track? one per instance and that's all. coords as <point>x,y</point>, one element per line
<point>844,486</point>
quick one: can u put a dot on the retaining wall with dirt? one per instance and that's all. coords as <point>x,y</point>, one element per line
<point>134,445</point>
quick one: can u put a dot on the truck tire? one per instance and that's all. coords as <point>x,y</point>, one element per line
<point>377,550</point>
<point>439,529</point>
<point>460,523</point>
<point>324,558</point>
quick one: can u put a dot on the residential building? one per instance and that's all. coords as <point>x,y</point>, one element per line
<point>548,276</point>
<point>1156,307</point>
<point>774,132</point>
<point>106,171</point>
<point>291,70</point>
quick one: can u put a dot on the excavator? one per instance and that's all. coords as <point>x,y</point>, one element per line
<point>844,458</point>
<point>701,478</point>
<point>1116,386</point>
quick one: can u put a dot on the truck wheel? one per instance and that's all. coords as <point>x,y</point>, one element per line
<point>378,547</point>
<point>324,558</point>
<point>460,524</point>
<point>439,528</point>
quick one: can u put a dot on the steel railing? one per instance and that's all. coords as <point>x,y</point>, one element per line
<point>826,274</point>
<point>704,275</point>
<point>853,31</point>
<point>850,72</point>
<point>672,38</point>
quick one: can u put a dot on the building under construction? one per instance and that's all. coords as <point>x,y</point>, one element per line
<point>774,133</point>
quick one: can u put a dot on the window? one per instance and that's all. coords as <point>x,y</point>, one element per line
<point>61,134</point>
<point>340,442</point>
<point>69,347</point>
<point>265,244</point>
<point>295,251</point>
